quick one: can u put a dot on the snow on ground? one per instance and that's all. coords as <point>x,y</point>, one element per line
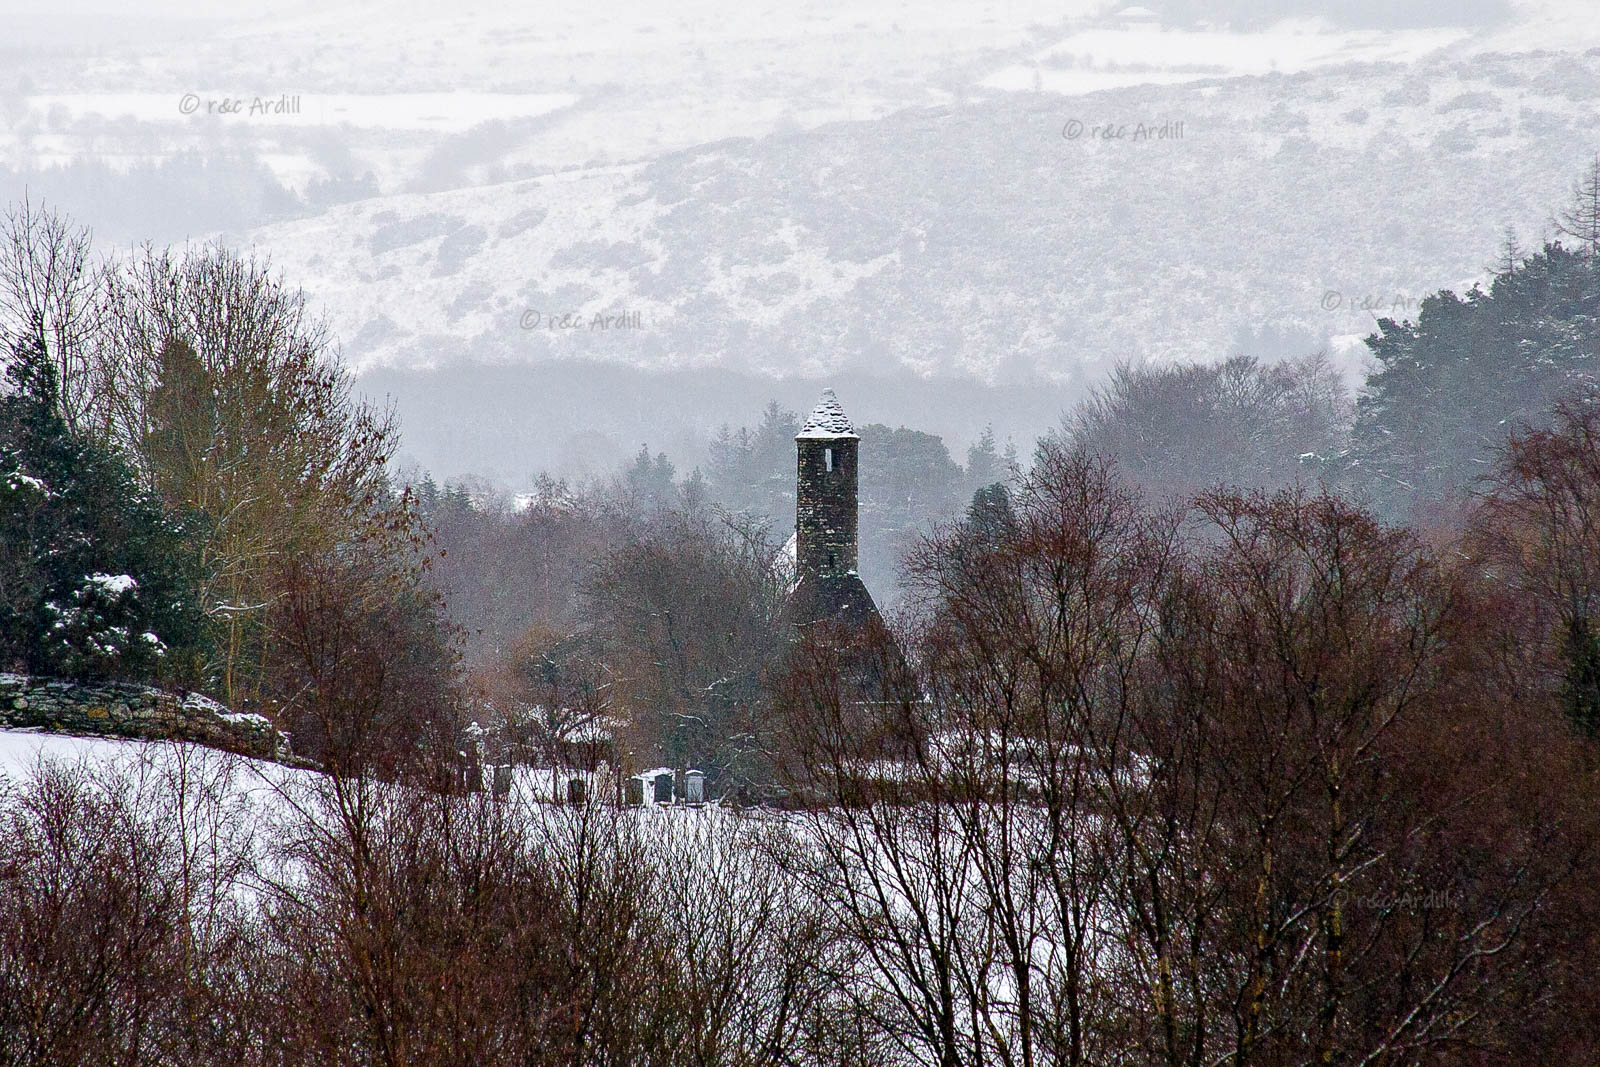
<point>448,112</point>
<point>1537,25</point>
<point>1141,53</point>
<point>629,78</point>
<point>22,750</point>
<point>526,161</point>
<point>258,784</point>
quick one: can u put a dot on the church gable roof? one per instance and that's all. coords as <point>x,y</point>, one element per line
<point>827,422</point>
<point>840,599</point>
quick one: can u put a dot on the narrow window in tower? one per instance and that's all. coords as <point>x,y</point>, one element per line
<point>827,459</point>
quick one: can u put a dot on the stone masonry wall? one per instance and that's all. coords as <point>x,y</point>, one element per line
<point>123,709</point>
<point>825,512</point>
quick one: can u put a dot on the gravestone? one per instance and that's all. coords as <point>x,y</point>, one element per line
<point>502,779</point>
<point>694,787</point>
<point>664,788</point>
<point>635,792</point>
<point>575,790</point>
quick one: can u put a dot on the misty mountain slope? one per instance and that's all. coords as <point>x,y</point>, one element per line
<point>980,239</point>
<point>411,96</point>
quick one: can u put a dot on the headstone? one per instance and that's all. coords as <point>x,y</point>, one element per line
<point>664,788</point>
<point>502,779</point>
<point>694,787</point>
<point>635,792</point>
<point>474,741</point>
<point>575,790</point>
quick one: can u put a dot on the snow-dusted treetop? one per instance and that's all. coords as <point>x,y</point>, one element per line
<point>827,421</point>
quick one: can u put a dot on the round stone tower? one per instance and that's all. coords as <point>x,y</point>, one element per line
<point>825,493</point>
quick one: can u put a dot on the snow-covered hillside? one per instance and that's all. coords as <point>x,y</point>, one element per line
<point>1023,233</point>
<point>1011,194</point>
<point>256,785</point>
<point>22,750</point>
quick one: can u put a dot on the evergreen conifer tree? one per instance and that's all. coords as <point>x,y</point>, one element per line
<point>182,424</point>
<point>96,580</point>
<point>1580,690</point>
<point>1452,385</point>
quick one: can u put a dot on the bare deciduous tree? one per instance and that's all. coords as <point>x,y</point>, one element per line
<point>1581,221</point>
<point>1179,430</point>
<point>50,294</point>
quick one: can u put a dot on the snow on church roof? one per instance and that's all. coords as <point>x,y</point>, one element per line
<point>827,421</point>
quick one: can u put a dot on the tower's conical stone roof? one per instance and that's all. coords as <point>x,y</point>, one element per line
<point>828,421</point>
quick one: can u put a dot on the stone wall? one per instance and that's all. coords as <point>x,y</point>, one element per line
<point>123,709</point>
<point>825,509</point>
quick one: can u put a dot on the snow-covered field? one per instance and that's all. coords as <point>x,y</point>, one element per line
<point>636,79</point>
<point>22,750</point>
<point>254,783</point>
<point>1144,52</point>
<point>259,783</point>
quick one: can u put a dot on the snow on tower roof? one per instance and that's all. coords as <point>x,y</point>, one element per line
<point>827,421</point>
